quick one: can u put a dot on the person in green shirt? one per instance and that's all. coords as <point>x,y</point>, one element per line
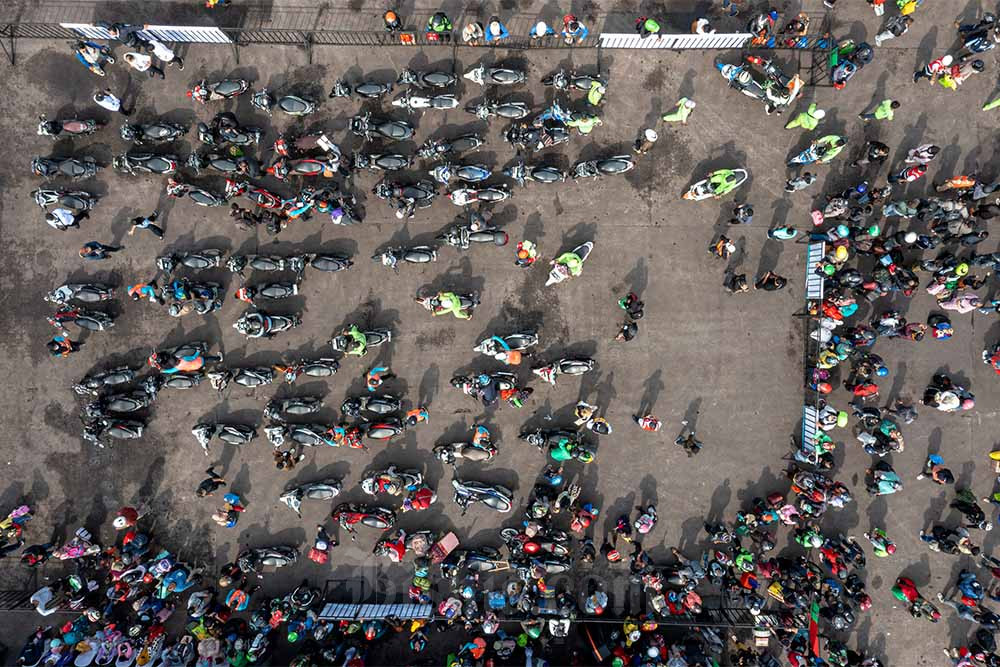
<point>439,25</point>
<point>360,347</point>
<point>584,123</point>
<point>646,26</point>
<point>681,113</point>
<point>992,105</point>
<point>808,119</point>
<point>571,261</point>
<point>596,93</point>
<point>448,302</point>
<point>884,111</point>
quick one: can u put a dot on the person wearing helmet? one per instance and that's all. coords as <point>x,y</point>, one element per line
<point>472,33</point>
<point>933,69</point>
<point>646,27</point>
<point>573,32</point>
<point>680,114</point>
<point>584,122</point>
<point>439,27</point>
<point>495,30</point>
<point>645,141</point>
<point>808,119</point>
<point>391,21</point>
<point>881,544</point>
<point>596,93</point>
<point>540,29</point>
<point>922,154</point>
<point>449,302</point>
<point>873,152</point>
<point>896,26</point>
<point>527,253</point>
<point>359,346</point>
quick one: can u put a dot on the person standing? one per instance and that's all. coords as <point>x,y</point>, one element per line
<point>109,101</point>
<point>689,443</point>
<point>439,27</point>
<point>63,218</point>
<point>473,33</point>
<point>808,119</point>
<point>645,141</point>
<point>540,30</point>
<point>771,282</point>
<point>742,215</point>
<point>933,69</point>
<point>573,32</point>
<point>140,62</point>
<point>62,346</point>
<point>896,26</point>
<point>97,251</point>
<point>147,223</point>
<point>392,22</point>
<point>647,27</point>
<point>909,174</point>
<point>165,54</point>
<point>496,31</point>
<point>681,112</point>
<point>884,111</point>
<point>922,154</point>
<point>210,484</point>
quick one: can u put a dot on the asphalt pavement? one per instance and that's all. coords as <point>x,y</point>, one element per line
<point>730,365</point>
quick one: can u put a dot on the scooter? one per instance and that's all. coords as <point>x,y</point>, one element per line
<point>470,173</point>
<point>199,196</point>
<point>468,451</point>
<point>704,189</point>
<point>391,481</point>
<point>296,406</point>
<point>412,102</point>
<point>70,167</point>
<point>330,263</point>
<point>562,80</point>
<point>440,147</point>
<point>564,366</point>
<point>383,430</point>
<point>531,137</point>
<point>226,89</point>
<point>497,498</point>
<point>262,325</point>
<point>238,263</point>
<point>495,76</point>
<point>490,194</point>
<point>618,164</point>
<point>251,378</point>
<point>306,144</point>
<point>461,236</point>
<point>120,403</point>
<point>72,126</point>
<point>365,126</point>
<point>289,104</point>
<point>427,79</point>
<point>375,404</point>
<point>231,434</point>
<point>318,368</point>
<point>468,302</point>
<point>90,320</point>
<point>283,168</point>
<point>252,560</point>
<point>561,272</point>
<point>368,90</point>
<point>154,133</point>
<point>514,342</point>
<point>257,195</point>
<point>77,199</point>
<point>539,173</point>
<point>209,258</point>
<point>349,515</point>
<point>380,162</point>
<point>492,108</point>
<point>119,429</point>
<point>145,163</point>
<point>244,166</point>
<point>226,129</point>
<point>306,435</point>
<point>391,257</point>
<point>92,384</point>
<point>373,338</point>
<point>323,491</point>
<point>83,292</point>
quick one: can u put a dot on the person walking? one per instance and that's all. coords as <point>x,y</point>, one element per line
<point>147,223</point>
<point>935,470</point>
<point>627,331</point>
<point>909,174</point>
<point>933,69</point>
<point>771,282</point>
<point>648,422</point>
<point>645,141</point>
<point>62,346</point>
<point>573,32</point>
<point>211,483</point>
<point>884,111</point>
<point>800,182</point>
<point>742,215</point>
<point>140,62</point>
<point>689,443</point>
<point>165,54</point>
<point>680,114</point>
<point>97,251</point>
<point>109,101</point>
<point>808,119</point>
<point>922,154</point>
<point>896,26</point>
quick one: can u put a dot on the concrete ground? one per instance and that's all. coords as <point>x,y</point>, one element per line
<point>730,365</point>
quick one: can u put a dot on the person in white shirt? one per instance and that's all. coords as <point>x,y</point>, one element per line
<point>143,63</point>
<point>106,99</point>
<point>63,218</point>
<point>165,54</point>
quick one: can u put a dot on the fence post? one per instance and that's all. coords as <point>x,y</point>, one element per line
<point>9,30</point>
<point>307,43</point>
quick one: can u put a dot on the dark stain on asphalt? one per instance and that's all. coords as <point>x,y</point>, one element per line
<point>655,79</point>
<point>59,419</point>
<point>437,340</point>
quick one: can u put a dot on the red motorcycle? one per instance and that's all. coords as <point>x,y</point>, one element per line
<point>283,168</point>
<point>349,515</point>
<point>257,195</point>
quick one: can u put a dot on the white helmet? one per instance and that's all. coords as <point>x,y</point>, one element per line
<point>651,135</point>
<point>541,28</point>
<point>910,237</point>
<point>495,28</point>
<point>689,104</point>
<point>819,114</point>
<point>946,61</point>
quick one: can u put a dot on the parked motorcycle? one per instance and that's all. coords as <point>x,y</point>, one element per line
<point>490,194</point>
<point>82,292</point>
<point>380,162</point>
<point>226,129</point>
<point>305,145</point>
<point>539,173</point>
<point>563,80</point>
<point>535,137</point>
<point>231,434</point>
<point>262,325</point>
<point>383,430</point>
<point>305,435</point>
<point>267,291</point>
<point>292,105</point>
<point>252,561</point>
<point>91,320</point>
<point>365,126</point>
<point>391,481</point>
<point>69,167</point>
<point>495,76</point>
<point>226,89</point>
<point>349,515</point>
<point>297,406</point>
<point>376,404</point>
<point>239,263</point>
<point>564,366</point>
<point>199,196</point>
<point>72,199</point>
<point>283,168</point>
<point>521,543</point>
<point>470,173</point>
<point>560,271</point>
<point>209,258</point>
<point>119,429</point>
<point>421,193</point>
<point>427,79</point>
<point>492,108</point>
<point>518,342</point>
<point>412,102</point>
<point>330,263</point>
<point>257,195</point>
<point>369,90</point>
<point>92,384</point>
<point>317,368</point>
<point>373,338</point>
<point>391,257</point>
<point>467,493</point>
<point>461,236</point>
<point>440,147</point>
<point>618,164</point>
<point>251,378</point>
<point>153,133</point>
<point>468,451</point>
<point>562,445</point>
<point>71,126</point>
<point>322,491</point>
<point>124,403</point>
<point>145,163</point>
<point>223,163</point>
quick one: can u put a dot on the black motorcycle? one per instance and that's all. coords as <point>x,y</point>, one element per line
<point>154,133</point>
<point>365,126</point>
<point>145,163</point>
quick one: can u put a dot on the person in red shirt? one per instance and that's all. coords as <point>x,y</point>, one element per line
<point>909,174</point>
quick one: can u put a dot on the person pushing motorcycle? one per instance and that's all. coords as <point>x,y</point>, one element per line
<point>360,341</point>
<point>449,302</point>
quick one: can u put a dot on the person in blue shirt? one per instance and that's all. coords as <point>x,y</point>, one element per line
<point>496,31</point>
<point>573,31</point>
